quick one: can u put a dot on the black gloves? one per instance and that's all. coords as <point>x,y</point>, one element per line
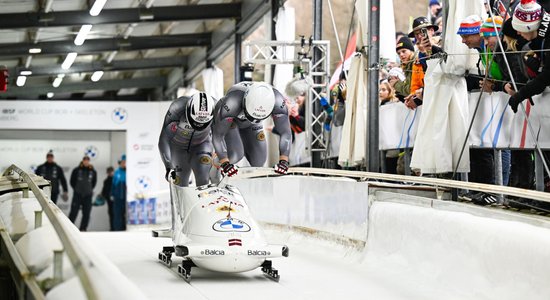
<point>170,173</point>
<point>228,169</point>
<point>281,167</point>
<point>515,101</point>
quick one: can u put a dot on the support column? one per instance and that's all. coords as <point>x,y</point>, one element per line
<point>317,36</point>
<point>274,11</point>
<point>539,172</point>
<point>238,55</point>
<point>372,89</point>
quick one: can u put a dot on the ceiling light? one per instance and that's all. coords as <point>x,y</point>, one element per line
<point>129,30</point>
<point>69,60</point>
<point>50,95</point>
<point>96,76</point>
<point>35,50</point>
<point>145,15</point>
<point>21,80</point>
<point>111,56</point>
<point>82,34</point>
<point>57,81</point>
<point>97,7</point>
<point>25,73</point>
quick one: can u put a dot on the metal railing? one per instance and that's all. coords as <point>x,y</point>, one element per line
<point>23,279</point>
<point>81,263</point>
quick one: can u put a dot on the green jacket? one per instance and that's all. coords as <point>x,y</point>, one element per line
<point>403,88</point>
<point>495,72</point>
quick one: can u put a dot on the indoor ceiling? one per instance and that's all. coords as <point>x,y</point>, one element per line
<point>146,49</point>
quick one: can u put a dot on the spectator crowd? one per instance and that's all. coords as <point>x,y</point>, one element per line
<point>510,42</point>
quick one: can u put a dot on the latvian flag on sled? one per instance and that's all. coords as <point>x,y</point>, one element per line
<point>235,242</point>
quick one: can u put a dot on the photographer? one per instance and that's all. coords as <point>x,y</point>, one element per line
<point>423,31</point>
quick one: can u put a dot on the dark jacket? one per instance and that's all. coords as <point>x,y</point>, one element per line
<point>106,190</point>
<point>539,63</point>
<point>53,173</point>
<point>516,66</point>
<point>83,180</point>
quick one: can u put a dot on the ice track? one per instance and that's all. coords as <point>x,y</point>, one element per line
<point>311,272</point>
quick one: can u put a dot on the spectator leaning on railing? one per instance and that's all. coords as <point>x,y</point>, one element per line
<point>387,96</point>
<point>522,169</point>
<point>423,32</point>
<point>527,21</point>
<point>482,168</point>
<point>405,51</point>
<point>532,22</point>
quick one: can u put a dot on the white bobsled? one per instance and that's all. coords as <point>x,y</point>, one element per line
<point>212,228</point>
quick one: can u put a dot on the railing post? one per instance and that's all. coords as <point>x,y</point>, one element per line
<point>539,172</point>
<point>37,219</point>
<point>57,266</point>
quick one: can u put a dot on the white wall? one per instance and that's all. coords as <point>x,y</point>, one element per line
<point>27,149</point>
<point>428,249</point>
<point>133,124</point>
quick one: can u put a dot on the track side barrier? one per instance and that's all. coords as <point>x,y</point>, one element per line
<point>408,239</point>
<point>96,277</point>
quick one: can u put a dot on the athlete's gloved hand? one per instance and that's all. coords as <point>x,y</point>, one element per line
<point>170,173</point>
<point>228,169</point>
<point>282,167</point>
<point>515,101</point>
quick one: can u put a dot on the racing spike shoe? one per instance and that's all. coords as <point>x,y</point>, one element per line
<point>484,199</point>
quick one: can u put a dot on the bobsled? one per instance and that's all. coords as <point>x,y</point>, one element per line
<point>213,229</point>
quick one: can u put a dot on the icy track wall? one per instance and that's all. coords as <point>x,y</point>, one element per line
<point>457,251</point>
<point>309,202</point>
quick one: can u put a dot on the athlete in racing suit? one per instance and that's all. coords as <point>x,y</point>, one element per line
<point>238,131</point>
<point>185,141</point>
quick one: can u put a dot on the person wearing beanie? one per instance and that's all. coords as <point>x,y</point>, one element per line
<point>414,73</point>
<point>490,31</point>
<point>531,23</point>
<point>404,43</point>
<point>491,27</point>
<point>468,30</point>
<point>52,172</point>
<point>83,181</point>
<point>522,165</point>
<point>406,52</point>
<point>527,16</point>
<point>481,160</point>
